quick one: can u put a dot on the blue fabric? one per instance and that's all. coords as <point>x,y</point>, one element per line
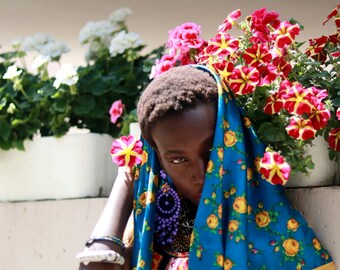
<point>243,222</point>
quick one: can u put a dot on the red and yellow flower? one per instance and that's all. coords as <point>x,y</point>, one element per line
<point>274,168</point>
<point>127,151</point>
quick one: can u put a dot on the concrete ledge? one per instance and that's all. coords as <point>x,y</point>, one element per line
<point>320,207</point>
<point>48,234</point>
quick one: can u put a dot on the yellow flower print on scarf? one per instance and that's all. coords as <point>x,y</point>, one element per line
<point>146,198</point>
<point>262,219</point>
<point>212,221</point>
<point>246,122</point>
<point>316,244</point>
<point>292,225</point>
<point>228,264</point>
<point>291,247</point>
<point>230,138</point>
<point>233,225</point>
<point>240,205</point>
<point>210,166</point>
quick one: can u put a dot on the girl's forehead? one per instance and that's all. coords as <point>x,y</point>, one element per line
<point>195,124</point>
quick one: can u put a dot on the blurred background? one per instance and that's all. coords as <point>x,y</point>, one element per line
<point>48,234</point>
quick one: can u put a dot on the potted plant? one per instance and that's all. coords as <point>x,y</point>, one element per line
<point>290,97</point>
<point>71,110</point>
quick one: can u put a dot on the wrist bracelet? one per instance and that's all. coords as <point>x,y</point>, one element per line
<point>112,239</point>
<point>105,256</point>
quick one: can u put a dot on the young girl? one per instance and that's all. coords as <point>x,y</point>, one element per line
<point>199,201</point>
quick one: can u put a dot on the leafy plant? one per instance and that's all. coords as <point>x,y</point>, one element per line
<point>34,103</point>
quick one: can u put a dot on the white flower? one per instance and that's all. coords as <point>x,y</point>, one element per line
<point>11,108</point>
<point>35,42</point>
<point>39,61</point>
<point>66,75</point>
<point>123,41</point>
<point>12,72</point>
<point>120,15</point>
<point>54,49</point>
<point>96,31</point>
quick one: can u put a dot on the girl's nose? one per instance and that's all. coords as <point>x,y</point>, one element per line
<point>199,171</point>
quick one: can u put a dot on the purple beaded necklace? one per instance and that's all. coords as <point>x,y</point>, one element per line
<point>168,208</point>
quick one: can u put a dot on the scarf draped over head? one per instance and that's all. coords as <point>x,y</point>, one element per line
<point>242,222</point>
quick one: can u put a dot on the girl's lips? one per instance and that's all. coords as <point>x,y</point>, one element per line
<point>198,197</point>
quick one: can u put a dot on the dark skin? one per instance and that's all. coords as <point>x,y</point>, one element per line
<point>183,144</point>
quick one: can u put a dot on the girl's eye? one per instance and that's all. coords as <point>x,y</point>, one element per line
<point>177,160</point>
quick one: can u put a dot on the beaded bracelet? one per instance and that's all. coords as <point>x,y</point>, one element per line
<point>112,239</point>
<point>105,256</point>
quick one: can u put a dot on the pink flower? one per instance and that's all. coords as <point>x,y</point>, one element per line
<point>185,37</point>
<point>164,64</point>
<point>116,110</point>
<point>126,151</point>
<point>273,104</point>
<point>319,116</point>
<point>334,139</point>
<point>338,113</point>
<point>267,74</point>
<point>298,100</point>
<point>316,46</point>
<point>336,54</point>
<point>285,34</point>
<point>229,21</point>
<point>274,168</point>
<point>335,14</point>
<point>283,68</point>
<point>300,128</point>
<point>243,80</point>
<point>259,21</point>
<point>223,44</point>
<point>256,55</point>
<point>224,69</point>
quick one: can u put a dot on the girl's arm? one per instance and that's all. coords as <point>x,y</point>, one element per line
<point>113,220</point>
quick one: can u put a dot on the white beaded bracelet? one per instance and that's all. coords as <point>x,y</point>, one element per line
<point>106,256</point>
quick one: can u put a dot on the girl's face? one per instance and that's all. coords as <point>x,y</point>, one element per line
<point>183,143</point>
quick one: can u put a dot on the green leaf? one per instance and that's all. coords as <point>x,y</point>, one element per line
<point>271,132</point>
<point>336,101</point>
<point>84,104</point>
<point>5,129</point>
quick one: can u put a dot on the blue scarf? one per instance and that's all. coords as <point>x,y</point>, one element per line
<point>242,222</point>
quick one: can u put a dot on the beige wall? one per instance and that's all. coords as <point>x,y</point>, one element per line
<point>152,19</point>
<point>48,235</point>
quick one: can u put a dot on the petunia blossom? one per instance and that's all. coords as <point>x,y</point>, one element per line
<point>243,80</point>
<point>116,110</point>
<point>256,55</point>
<point>319,116</point>
<point>229,21</point>
<point>335,14</point>
<point>127,151</point>
<point>260,19</point>
<point>334,139</point>
<point>273,104</point>
<point>285,34</point>
<point>274,168</point>
<point>301,129</point>
<point>298,100</point>
<point>338,113</point>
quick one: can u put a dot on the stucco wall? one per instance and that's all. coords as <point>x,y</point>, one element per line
<point>48,235</point>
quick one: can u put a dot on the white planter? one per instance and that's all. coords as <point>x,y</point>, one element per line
<point>135,130</point>
<point>324,173</point>
<point>73,166</point>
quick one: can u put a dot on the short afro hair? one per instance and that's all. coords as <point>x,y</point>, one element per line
<point>172,92</point>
